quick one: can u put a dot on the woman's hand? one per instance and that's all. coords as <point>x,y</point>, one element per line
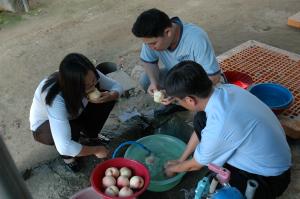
<point>106,96</point>
<point>101,152</point>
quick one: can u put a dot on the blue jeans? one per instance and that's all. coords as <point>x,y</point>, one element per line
<point>145,81</point>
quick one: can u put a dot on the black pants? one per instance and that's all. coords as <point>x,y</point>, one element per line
<point>90,123</point>
<point>268,187</point>
<point>199,123</point>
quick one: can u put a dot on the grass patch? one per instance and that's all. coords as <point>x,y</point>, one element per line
<point>7,18</point>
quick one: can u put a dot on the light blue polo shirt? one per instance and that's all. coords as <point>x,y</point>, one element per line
<point>244,132</point>
<point>193,45</point>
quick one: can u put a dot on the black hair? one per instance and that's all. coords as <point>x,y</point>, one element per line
<point>187,78</point>
<point>151,23</point>
<point>70,81</point>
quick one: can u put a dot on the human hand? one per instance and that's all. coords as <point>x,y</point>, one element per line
<point>167,100</point>
<point>152,87</point>
<point>171,162</point>
<point>169,171</point>
<point>170,167</point>
<point>106,96</point>
<point>101,152</point>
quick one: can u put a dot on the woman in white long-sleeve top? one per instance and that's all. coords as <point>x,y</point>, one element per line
<point>61,111</point>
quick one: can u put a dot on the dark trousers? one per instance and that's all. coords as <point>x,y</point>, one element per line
<point>90,123</point>
<point>268,187</point>
<point>199,123</point>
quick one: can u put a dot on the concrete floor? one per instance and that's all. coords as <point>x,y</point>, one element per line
<point>32,46</point>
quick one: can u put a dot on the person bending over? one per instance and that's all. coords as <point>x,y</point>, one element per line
<point>170,41</point>
<point>241,134</point>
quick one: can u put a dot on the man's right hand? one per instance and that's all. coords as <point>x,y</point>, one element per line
<point>102,152</point>
<point>152,88</point>
<point>168,100</point>
<point>172,162</point>
<point>170,167</point>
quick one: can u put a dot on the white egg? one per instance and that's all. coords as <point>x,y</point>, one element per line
<point>158,96</point>
<point>112,190</point>
<point>125,192</point>
<point>124,171</point>
<point>136,182</point>
<point>94,95</point>
<point>108,181</point>
<point>112,171</point>
<point>123,181</point>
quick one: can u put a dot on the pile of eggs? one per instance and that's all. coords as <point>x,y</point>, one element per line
<point>121,183</point>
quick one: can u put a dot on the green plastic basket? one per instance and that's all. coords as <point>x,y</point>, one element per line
<point>161,145</point>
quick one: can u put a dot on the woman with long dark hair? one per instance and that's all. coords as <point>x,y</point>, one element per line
<point>61,112</point>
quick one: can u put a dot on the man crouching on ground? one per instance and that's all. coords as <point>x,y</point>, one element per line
<point>241,133</point>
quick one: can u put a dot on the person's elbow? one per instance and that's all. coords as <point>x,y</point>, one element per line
<point>215,78</point>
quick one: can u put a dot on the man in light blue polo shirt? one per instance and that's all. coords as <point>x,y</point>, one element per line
<point>241,132</point>
<point>171,41</point>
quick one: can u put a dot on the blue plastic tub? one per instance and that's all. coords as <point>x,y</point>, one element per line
<point>276,96</point>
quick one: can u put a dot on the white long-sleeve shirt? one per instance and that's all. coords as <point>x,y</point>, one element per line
<point>59,117</point>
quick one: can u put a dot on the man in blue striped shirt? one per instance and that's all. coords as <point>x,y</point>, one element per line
<point>170,41</point>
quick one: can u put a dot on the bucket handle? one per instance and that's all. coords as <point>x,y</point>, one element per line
<point>129,143</point>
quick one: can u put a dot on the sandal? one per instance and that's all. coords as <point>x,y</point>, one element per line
<point>103,138</point>
<point>96,142</point>
<point>73,166</point>
<point>100,140</point>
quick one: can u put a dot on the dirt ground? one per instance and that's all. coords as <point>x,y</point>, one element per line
<point>31,46</point>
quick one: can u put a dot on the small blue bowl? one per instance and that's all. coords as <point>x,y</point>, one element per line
<point>276,96</point>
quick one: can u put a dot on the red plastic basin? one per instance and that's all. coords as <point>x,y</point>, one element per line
<point>136,167</point>
<point>238,78</point>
